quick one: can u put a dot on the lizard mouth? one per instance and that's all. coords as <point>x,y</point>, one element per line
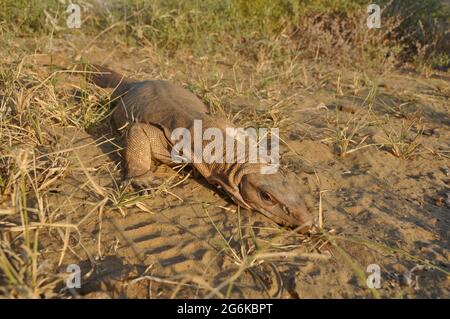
<point>281,219</point>
<point>288,221</point>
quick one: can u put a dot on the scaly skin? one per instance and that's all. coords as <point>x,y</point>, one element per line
<point>151,110</point>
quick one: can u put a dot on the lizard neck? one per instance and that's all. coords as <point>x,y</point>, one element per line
<point>228,176</point>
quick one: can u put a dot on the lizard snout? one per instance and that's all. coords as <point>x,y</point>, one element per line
<point>301,217</point>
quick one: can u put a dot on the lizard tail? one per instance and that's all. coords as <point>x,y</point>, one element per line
<point>107,78</point>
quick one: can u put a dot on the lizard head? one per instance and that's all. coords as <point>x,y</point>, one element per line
<point>279,196</point>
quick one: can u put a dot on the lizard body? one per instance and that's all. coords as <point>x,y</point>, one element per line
<point>151,110</point>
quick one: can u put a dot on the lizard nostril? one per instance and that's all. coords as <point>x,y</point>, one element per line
<point>286,210</point>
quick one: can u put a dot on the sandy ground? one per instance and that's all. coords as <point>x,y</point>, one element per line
<point>189,240</point>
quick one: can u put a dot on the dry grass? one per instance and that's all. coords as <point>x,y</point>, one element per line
<point>403,142</point>
<point>38,102</point>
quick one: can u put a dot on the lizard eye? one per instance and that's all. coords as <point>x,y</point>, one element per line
<point>266,196</point>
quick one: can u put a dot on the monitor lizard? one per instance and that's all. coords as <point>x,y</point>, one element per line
<point>149,111</point>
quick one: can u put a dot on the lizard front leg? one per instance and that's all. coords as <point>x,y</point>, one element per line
<point>143,141</point>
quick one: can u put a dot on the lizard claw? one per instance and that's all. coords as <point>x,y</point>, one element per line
<point>142,186</point>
